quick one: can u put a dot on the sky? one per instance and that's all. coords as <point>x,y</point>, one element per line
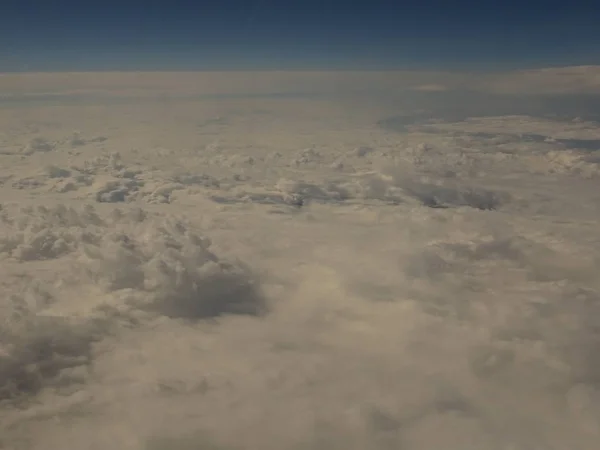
<point>66,35</point>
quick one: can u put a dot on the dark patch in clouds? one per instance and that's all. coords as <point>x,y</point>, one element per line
<point>457,106</point>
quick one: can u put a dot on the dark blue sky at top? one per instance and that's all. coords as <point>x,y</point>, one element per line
<point>268,34</point>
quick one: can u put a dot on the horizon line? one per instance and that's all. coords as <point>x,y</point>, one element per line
<point>290,70</point>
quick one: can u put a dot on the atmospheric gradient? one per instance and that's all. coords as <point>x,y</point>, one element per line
<point>299,226</point>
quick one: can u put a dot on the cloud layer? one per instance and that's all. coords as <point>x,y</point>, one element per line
<point>416,270</point>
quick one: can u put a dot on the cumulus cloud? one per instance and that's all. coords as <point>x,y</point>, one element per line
<point>417,271</point>
<point>137,265</point>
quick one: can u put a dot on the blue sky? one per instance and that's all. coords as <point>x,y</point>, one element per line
<point>266,34</point>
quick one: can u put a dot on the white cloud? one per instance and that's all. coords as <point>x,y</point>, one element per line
<point>348,272</point>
